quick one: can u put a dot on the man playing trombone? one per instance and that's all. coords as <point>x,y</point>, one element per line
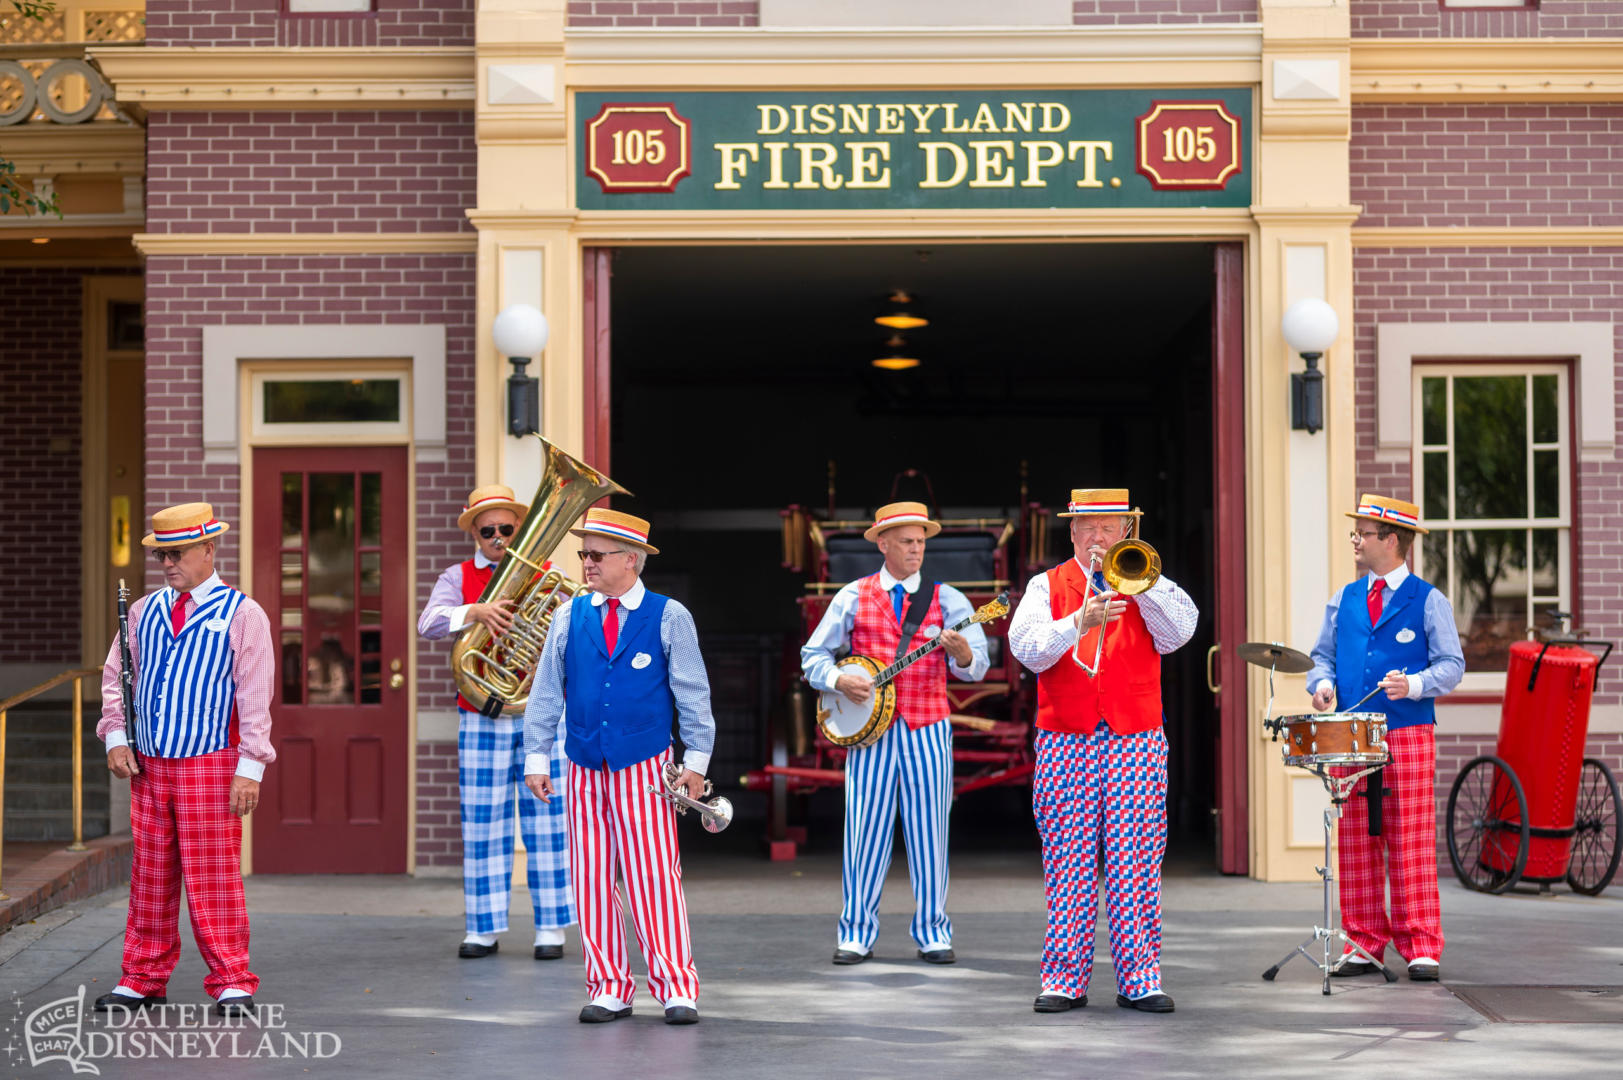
<point>1096,778</point>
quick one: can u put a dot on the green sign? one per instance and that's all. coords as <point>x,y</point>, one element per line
<point>913,150</point>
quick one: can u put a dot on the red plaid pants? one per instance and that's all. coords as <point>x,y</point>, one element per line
<point>184,831</point>
<point>1402,860</point>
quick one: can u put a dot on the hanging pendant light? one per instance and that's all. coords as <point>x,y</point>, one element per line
<point>904,314</point>
<point>897,360</point>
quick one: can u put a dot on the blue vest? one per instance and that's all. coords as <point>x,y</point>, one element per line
<point>1364,655</point>
<point>184,693</point>
<point>616,713</point>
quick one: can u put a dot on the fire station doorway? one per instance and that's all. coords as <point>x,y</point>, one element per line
<point>724,384</point>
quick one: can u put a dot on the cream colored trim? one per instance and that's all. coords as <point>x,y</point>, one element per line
<point>104,146</point>
<point>1486,236</point>
<point>1398,345</point>
<point>1428,69</point>
<point>698,226</point>
<point>245,78</point>
<point>1484,719</point>
<point>305,243</point>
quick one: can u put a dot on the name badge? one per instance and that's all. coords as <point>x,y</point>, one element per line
<point>1405,636</point>
<point>931,632</point>
<point>218,625</point>
<point>641,660</point>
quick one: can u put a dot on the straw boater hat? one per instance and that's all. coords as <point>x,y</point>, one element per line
<point>633,530</point>
<point>1111,501</point>
<point>184,524</point>
<point>1384,511</point>
<point>901,513</point>
<point>490,497</point>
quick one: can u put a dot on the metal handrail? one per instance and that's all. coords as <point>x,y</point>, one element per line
<point>77,677</point>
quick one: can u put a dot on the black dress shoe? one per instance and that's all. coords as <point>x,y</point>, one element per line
<point>1354,967</point>
<point>1053,1003</point>
<point>851,956</point>
<point>107,1001</point>
<point>681,1014</point>
<point>1156,1003</point>
<point>938,956</point>
<point>597,1014</point>
<point>235,1006</point>
<point>1424,972</point>
<point>549,952</point>
<point>472,950</point>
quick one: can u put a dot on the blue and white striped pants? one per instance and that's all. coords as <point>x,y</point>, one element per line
<point>914,766</point>
<point>490,766</point>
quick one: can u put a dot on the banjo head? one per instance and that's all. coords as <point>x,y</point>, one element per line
<point>848,724</point>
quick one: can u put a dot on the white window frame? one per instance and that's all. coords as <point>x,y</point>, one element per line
<point>1494,681</point>
<point>345,431</point>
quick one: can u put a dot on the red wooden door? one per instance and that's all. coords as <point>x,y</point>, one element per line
<point>330,570</point>
<point>1228,486</point>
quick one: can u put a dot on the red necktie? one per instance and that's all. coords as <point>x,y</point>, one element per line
<point>1375,600</point>
<point>177,614</point>
<point>611,625</point>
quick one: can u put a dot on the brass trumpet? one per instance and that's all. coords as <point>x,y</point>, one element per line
<point>715,814</point>
<point>1130,567</point>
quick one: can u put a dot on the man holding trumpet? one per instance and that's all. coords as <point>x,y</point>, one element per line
<point>1101,775</point>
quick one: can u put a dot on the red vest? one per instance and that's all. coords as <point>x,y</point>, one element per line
<point>921,690</point>
<point>1127,693</point>
<point>474,580</point>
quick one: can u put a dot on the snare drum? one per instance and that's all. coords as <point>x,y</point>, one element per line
<point>1351,738</point>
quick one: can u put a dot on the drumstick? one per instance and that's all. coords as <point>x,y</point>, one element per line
<point>1366,697</point>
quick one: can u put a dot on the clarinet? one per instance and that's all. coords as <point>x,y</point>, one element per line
<point>126,666</point>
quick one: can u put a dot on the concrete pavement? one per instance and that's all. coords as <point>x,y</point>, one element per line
<point>371,963</point>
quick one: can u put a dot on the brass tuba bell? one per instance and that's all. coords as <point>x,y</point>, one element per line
<point>497,670</point>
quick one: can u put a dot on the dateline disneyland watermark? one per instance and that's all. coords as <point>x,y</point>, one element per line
<point>64,1030</point>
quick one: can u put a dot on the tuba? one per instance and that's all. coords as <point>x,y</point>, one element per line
<point>497,670</point>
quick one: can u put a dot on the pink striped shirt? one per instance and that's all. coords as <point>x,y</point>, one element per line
<point>253,669</point>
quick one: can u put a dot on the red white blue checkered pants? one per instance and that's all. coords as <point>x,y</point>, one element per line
<point>1404,855</point>
<point>184,831</point>
<point>1102,793</point>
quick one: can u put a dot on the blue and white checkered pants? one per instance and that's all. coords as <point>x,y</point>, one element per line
<point>915,767</point>
<point>490,766</point>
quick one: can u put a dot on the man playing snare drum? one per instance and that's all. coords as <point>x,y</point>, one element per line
<point>912,760</point>
<point>1392,630</point>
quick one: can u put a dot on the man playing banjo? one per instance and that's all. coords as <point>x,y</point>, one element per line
<point>883,616</point>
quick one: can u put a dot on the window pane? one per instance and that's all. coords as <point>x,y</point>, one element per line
<point>332,543</point>
<point>1547,562</point>
<point>292,573</point>
<point>371,509</point>
<point>1490,447</point>
<point>1544,617</point>
<point>1434,411</point>
<point>330,674</point>
<point>1545,411</point>
<point>292,509</point>
<point>371,572</point>
<point>1491,608</point>
<point>332,401</point>
<point>1436,484</point>
<point>292,663</point>
<point>1431,556</point>
<point>1546,483</point>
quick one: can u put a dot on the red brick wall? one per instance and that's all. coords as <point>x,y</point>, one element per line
<point>439,815</point>
<point>262,22</point>
<point>1125,12</point>
<point>316,171</point>
<point>1427,18</point>
<point>1518,165</point>
<point>40,416</point>
<point>664,13</point>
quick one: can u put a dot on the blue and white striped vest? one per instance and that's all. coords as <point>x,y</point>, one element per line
<point>184,694</point>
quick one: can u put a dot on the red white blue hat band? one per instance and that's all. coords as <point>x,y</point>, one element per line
<point>633,530</point>
<point>188,523</point>
<point>196,532</point>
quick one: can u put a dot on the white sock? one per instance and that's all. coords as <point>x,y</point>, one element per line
<point>1423,960</point>
<point>609,1002</point>
<point>124,991</point>
<point>480,939</point>
<point>234,992</point>
<point>549,937</point>
<point>1141,997</point>
<point>688,1003</point>
<point>850,946</point>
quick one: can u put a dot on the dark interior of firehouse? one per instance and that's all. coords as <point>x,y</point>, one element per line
<point>760,414</point>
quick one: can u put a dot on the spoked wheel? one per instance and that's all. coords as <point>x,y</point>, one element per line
<point>1595,847</point>
<point>1488,832</point>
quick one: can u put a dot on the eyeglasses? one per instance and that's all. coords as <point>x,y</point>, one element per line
<point>171,555</point>
<point>1358,536</point>
<point>488,531</point>
<point>597,556</point>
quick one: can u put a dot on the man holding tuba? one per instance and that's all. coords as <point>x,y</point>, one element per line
<point>490,755</point>
<point>882,616</point>
<point>1101,753</point>
<point>618,663</point>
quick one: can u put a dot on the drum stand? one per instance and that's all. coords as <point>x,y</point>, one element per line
<point>1340,789</point>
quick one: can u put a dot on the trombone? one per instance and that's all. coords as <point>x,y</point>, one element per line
<point>1130,567</point>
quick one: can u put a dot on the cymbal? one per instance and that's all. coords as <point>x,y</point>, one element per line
<point>1272,654</point>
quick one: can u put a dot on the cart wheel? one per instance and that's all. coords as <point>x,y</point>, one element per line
<point>1488,832</point>
<point>1595,848</point>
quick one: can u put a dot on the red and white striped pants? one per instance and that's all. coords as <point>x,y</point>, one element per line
<point>183,830</point>
<point>616,824</point>
<point>1404,856</point>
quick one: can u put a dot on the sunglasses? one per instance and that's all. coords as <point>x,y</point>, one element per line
<point>597,556</point>
<point>488,531</point>
<point>171,555</point>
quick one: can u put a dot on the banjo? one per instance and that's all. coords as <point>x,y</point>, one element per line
<point>851,724</point>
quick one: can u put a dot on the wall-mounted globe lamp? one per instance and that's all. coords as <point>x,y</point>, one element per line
<point>520,332</point>
<point>1310,327</point>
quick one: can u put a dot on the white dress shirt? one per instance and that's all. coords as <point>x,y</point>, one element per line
<point>1039,641</point>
